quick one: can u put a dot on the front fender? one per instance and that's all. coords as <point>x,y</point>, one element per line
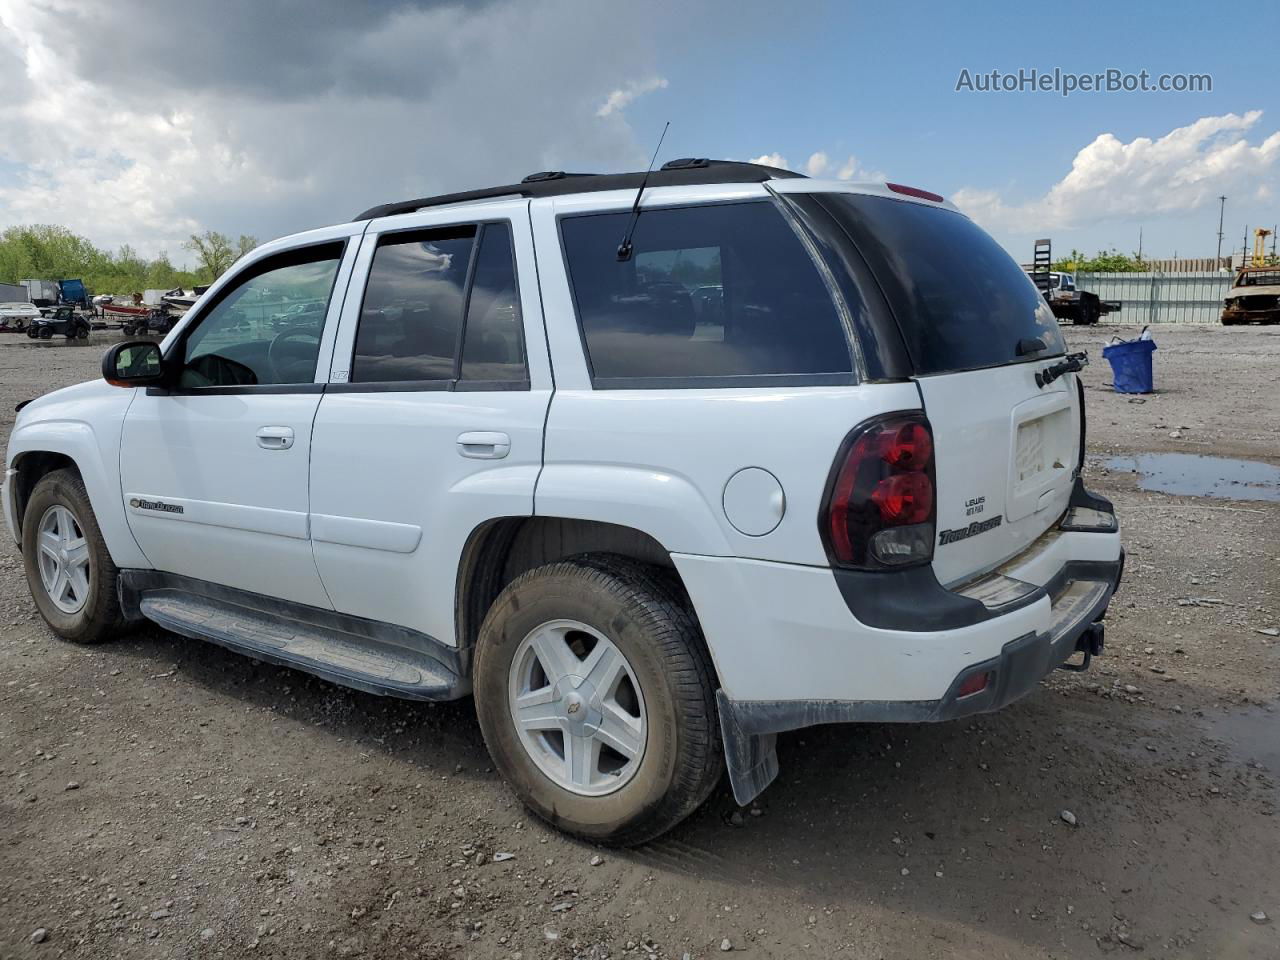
<point>95,450</point>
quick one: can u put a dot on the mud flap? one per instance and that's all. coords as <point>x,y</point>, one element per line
<point>752,758</point>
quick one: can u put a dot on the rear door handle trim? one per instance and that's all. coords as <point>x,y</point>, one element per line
<point>275,438</point>
<point>484,445</point>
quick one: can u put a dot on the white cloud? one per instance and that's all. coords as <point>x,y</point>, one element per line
<point>621,98</point>
<point>853,170</point>
<point>820,164</point>
<point>1184,170</point>
<point>770,160</point>
<point>817,164</point>
<point>269,124</point>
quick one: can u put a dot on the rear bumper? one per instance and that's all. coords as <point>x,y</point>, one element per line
<point>796,646</point>
<point>1081,594</point>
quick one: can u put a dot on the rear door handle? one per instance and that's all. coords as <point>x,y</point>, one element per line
<point>275,438</point>
<point>481,445</point>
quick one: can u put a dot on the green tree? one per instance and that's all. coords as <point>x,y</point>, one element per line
<point>214,251</point>
<point>50,252</point>
<point>1104,261</point>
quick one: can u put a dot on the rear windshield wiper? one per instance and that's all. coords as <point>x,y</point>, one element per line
<point>1071,363</point>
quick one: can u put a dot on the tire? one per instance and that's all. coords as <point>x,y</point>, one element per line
<point>643,614</point>
<point>98,617</point>
<point>46,333</point>
<point>83,333</point>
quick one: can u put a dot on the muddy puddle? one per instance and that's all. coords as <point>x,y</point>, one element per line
<point>1251,735</point>
<point>1192,475</point>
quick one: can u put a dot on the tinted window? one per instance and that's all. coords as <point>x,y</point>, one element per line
<point>412,312</point>
<point>960,301</point>
<point>713,291</point>
<point>244,339</point>
<point>494,345</point>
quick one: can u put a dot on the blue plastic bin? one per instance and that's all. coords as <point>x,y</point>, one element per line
<point>1131,365</point>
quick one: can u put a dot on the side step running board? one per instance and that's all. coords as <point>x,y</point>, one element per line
<point>374,657</point>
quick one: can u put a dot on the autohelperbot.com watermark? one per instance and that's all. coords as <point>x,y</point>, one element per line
<point>1066,82</point>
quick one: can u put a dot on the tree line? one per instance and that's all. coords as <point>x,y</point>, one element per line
<point>50,252</point>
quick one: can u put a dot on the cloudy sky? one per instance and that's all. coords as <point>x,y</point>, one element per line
<point>140,122</point>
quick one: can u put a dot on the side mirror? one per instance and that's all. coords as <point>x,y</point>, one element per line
<point>137,363</point>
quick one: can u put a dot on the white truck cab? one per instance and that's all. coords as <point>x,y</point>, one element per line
<point>654,466</point>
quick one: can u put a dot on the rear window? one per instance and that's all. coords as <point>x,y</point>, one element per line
<point>722,294</point>
<point>959,299</point>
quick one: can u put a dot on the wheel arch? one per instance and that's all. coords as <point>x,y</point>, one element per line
<point>501,549</point>
<point>31,467</point>
<point>38,450</point>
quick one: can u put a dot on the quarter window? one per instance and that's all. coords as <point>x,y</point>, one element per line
<point>265,328</point>
<point>716,291</point>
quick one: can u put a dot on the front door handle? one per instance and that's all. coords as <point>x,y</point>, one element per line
<point>482,445</point>
<point>275,438</point>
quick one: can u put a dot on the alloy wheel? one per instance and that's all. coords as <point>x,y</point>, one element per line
<point>577,707</point>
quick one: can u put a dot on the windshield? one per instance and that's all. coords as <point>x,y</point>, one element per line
<point>960,301</point>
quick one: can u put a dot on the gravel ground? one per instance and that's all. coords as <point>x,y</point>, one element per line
<point>160,797</point>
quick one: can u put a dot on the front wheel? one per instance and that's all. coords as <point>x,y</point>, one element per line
<point>70,573</point>
<point>596,698</point>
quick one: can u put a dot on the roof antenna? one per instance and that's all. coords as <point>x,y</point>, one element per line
<point>624,248</point>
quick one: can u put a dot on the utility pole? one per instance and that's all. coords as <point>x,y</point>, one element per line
<point>1139,244</point>
<point>1222,207</point>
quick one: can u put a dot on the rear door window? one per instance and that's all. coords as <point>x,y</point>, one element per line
<point>413,303</point>
<point>960,301</point>
<point>442,306</point>
<point>720,294</point>
<point>493,350</point>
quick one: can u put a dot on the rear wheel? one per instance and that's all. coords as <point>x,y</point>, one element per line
<point>70,573</point>
<point>595,695</point>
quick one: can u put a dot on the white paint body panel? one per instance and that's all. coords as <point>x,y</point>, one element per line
<point>781,631</point>
<point>977,418</point>
<point>83,423</point>
<point>394,498</point>
<point>244,519</point>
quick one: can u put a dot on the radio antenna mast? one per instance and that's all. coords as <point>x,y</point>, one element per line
<point>624,248</point>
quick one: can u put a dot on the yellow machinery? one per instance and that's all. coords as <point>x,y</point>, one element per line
<point>1260,235</point>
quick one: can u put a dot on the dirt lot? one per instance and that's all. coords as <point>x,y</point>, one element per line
<point>160,797</point>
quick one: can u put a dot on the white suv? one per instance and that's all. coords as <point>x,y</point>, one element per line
<point>654,471</point>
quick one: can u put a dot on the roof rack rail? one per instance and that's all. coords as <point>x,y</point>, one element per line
<point>553,183</point>
<point>552,175</point>
<point>685,163</point>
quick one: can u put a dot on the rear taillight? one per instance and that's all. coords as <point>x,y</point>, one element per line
<point>880,510</point>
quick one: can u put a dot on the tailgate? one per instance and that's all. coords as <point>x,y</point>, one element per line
<point>1005,452</point>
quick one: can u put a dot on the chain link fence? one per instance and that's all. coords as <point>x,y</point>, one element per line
<point>1183,297</point>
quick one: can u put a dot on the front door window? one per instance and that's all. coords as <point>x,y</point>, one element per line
<point>265,328</point>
